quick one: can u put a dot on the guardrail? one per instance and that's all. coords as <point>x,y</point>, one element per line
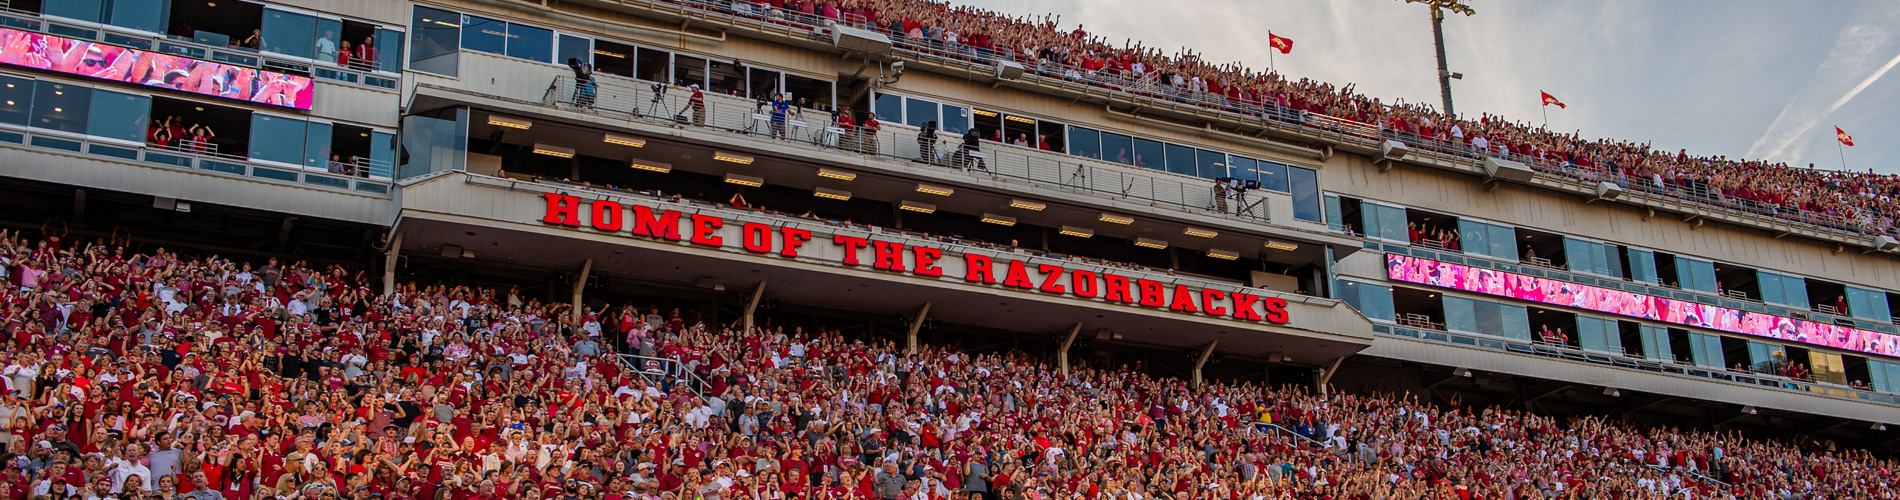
<point>206,161</point>
<point>667,373</point>
<point>354,73</point>
<point>625,98</point>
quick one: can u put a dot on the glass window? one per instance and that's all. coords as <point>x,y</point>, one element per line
<point>388,50</point>
<point>1765,357</point>
<point>918,111</point>
<point>1272,176</point>
<point>1243,168</point>
<point>1515,321</point>
<point>434,142</point>
<point>1695,274</point>
<point>689,70</point>
<point>1474,237</point>
<point>1212,164</point>
<point>653,65</point>
<point>16,99</point>
<point>1868,304</point>
<point>142,15</point>
<point>578,48</point>
<point>1770,285</point>
<point>1643,266</point>
<point>1795,290</point>
<point>1305,184</point>
<point>1705,350</point>
<point>956,120</point>
<point>277,139</point>
<point>1488,318</point>
<point>1117,148</point>
<point>531,43</point>
<point>1459,314</point>
<point>1086,143</point>
<point>484,35</point>
<point>62,107</point>
<point>1503,242</point>
<point>1372,300</point>
<point>1148,154</point>
<point>120,116</point>
<point>1392,224</point>
<point>84,10</point>
<point>288,33</point>
<point>817,91</point>
<point>1181,160</point>
<point>316,146</point>
<point>434,37</point>
<point>1598,334</point>
<point>1578,253</point>
<point>329,36</point>
<point>1333,210</point>
<point>889,107</point>
<point>382,153</point>
<point>1655,343</point>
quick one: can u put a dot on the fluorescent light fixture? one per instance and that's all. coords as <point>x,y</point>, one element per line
<point>625,140</point>
<point>745,180</point>
<point>842,175</point>
<point>984,112</point>
<point>999,219</point>
<point>1027,205</point>
<point>1150,243</point>
<point>1117,219</point>
<point>651,166</point>
<point>553,150</point>
<point>1282,245</point>
<point>1079,232</point>
<point>510,122</point>
<point>832,194</point>
<point>934,189</point>
<point>732,157</point>
<point>916,207</point>
<point>1223,254</point>
<point>1203,233</point>
<point>1019,119</point>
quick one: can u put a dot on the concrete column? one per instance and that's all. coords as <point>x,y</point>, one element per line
<point>1206,352</point>
<point>1062,355</point>
<point>910,337</point>
<point>579,284</point>
<point>1325,378</point>
<point>389,264</point>
<point>752,305</point>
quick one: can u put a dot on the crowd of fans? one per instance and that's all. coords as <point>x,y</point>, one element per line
<point>130,375</point>
<point>1846,200</point>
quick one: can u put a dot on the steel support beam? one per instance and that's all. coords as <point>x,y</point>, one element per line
<point>580,282</point>
<point>1200,361</point>
<point>753,305</point>
<point>917,323</point>
<point>389,264</point>
<point>1062,355</point>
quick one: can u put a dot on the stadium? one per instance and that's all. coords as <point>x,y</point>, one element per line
<point>880,250</point>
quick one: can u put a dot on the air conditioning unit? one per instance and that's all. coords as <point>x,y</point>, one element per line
<point>1886,243</point>
<point>858,40</point>
<point>1008,70</point>
<point>1609,190</point>
<point>1507,170</point>
<point>1394,150</point>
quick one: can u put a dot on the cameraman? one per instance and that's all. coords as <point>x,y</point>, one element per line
<point>780,110</point>
<point>972,143</point>
<point>927,142</point>
<point>697,103</point>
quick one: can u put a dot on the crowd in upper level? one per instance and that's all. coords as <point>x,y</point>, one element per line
<point>1863,202</point>
<point>157,375</point>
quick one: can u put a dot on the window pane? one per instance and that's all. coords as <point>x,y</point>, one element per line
<point>531,43</point>
<point>84,10</point>
<point>1642,266</point>
<point>1213,165</point>
<point>276,139</point>
<point>62,107</point>
<point>889,107</point>
<point>120,116</point>
<point>143,15</point>
<point>1085,143</point>
<point>689,70</point>
<point>1577,252</point>
<point>1503,242</point>
<point>484,35</point>
<point>1243,168</point>
<point>1706,350</point>
<point>1459,315</point>
<point>388,50</point>
<point>1516,321</point>
<point>16,99</point>
<point>1272,176</point>
<point>382,153</point>
<point>653,65</point>
<point>1392,223</point>
<point>1795,290</point>
<point>818,92</point>
<point>1770,285</point>
<point>1181,160</point>
<point>1378,300</point>
<point>918,111</point>
<point>316,147</point>
<point>956,119</point>
<point>434,38</point>
<point>1305,184</point>
<point>1475,237</point>
<point>1117,148</point>
<point>288,33</point>
<point>329,36</point>
<point>576,48</point>
<point>1704,276</point>
<point>1489,321</point>
<point>434,142</point>
<point>1333,211</point>
<point>1148,154</point>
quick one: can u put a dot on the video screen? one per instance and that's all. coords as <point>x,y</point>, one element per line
<point>111,62</point>
<point>1636,305</point>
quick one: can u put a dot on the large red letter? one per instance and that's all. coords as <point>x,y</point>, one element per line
<point>666,225</point>
<point>1018,276</point>
<point>887,256</point>
<point>927,260</point>
<point>794,238</point>
<point>606,215</point>
<point>703,227</point>
<point>1208,297</point>
<point>1276,310</point>
<point>1116,289</point>
<point>1051,273</point>
<point>1243,306</point>
<point>851,246</point>
<point>758,237</point>
<point>1183,300</point>
<point>1083,282</point>
<point>978,269</point>
<point>1151,292</point>
<point>563,209</point>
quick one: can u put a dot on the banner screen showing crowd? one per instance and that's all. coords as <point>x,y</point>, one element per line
<point>1636,305</point>
<point>111,62</point>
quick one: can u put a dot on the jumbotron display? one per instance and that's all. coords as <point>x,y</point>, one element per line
<point>112,62</point>
<point>1636,305</point>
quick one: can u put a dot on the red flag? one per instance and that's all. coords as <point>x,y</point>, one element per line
<point>1279,42</point>
<point>1551,99</point>
<point>1843,137</point>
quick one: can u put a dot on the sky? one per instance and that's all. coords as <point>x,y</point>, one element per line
<point>1753,79</point>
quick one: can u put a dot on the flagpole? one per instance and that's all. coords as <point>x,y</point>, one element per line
<point>1270,66</point>
<point>1843,150</point>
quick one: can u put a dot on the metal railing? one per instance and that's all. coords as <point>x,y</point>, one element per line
<point>667,373</point>
<point>202,160</point>
<point>626,98</point>
<point>370,75</point>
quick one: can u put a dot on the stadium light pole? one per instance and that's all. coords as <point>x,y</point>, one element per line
<point>1445,76</point>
